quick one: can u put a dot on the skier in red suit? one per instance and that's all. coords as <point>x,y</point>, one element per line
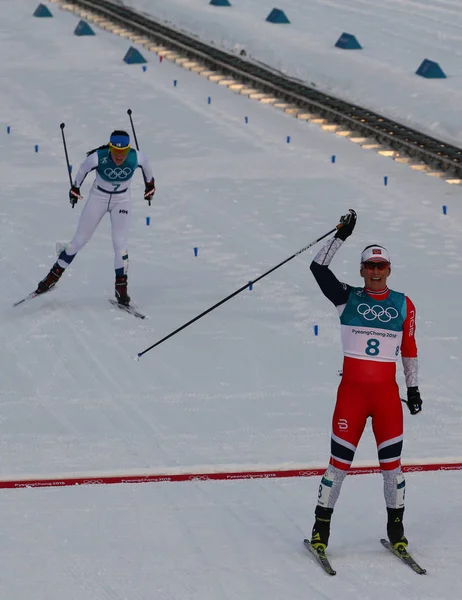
<point>377,325</point>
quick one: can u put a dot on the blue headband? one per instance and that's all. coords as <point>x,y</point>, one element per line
<point>119,141</point>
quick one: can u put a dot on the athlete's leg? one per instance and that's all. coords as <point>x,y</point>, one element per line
<point>92,213</point>
<point>121,214</point>
<point>120,225</point>
<point>387,424</point>
<point>348,422</point>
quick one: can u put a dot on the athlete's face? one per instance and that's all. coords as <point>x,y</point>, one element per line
<point>375,274</point>
<point>119,156</point>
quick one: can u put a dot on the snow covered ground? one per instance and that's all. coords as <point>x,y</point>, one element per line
<point>249,384</point>
<point>205,540</point>
<point>396,36</point>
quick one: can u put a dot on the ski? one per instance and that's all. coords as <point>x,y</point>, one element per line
<point>31,296</point>
<point>320,555</point>
<point>26,299</point>
<point>130,309</point>
<point>404,556</point>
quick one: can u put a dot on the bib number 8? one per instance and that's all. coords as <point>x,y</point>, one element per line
<point>372,347</point>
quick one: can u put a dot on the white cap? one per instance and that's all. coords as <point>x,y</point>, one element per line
<point>377,253</point>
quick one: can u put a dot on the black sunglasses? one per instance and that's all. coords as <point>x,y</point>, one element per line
<point>370,265</point>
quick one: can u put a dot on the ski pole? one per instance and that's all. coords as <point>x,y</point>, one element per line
<point>129,112</point>
<point>67,159</point>
<point>241,289</point>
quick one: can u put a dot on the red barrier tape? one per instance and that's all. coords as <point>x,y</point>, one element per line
<point>99,480</point>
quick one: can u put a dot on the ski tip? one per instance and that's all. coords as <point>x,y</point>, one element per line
<point>320,557</point>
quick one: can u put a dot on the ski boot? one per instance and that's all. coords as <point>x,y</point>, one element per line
<point>121,294</point>
<point>321,528</point>
<point>50,280</point>
<point>395,528</point>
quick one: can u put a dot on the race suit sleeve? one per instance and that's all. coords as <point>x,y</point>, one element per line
<point>145,167</point>
<point>331,287</point>
<point>89,164</point>
<point>409,347</point>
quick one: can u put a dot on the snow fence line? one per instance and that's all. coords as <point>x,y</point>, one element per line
<point>213,476</point>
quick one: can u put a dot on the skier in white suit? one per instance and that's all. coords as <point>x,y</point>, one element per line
<point>115,164</point>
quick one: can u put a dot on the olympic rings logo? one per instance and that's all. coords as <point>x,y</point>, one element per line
<point>385,315</point>
<point>118,173</point>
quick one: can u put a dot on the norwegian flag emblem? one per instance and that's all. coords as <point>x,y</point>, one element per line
<point>376,251</point>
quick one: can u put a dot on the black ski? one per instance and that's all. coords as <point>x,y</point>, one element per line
<point>130,309</point>
<point>321,557</point>
<point>404,556</point>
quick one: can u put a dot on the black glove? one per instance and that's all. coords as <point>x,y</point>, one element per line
<point>414,401</point>
<point>347,223</point>
<point>74,195</point>
<point>149,190</point>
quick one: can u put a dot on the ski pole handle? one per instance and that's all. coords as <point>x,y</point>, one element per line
<point>129,113</point>
<point>67,159</point>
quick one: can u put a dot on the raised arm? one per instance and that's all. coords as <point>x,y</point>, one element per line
<point>331,287</point>
<point>336,291</point>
